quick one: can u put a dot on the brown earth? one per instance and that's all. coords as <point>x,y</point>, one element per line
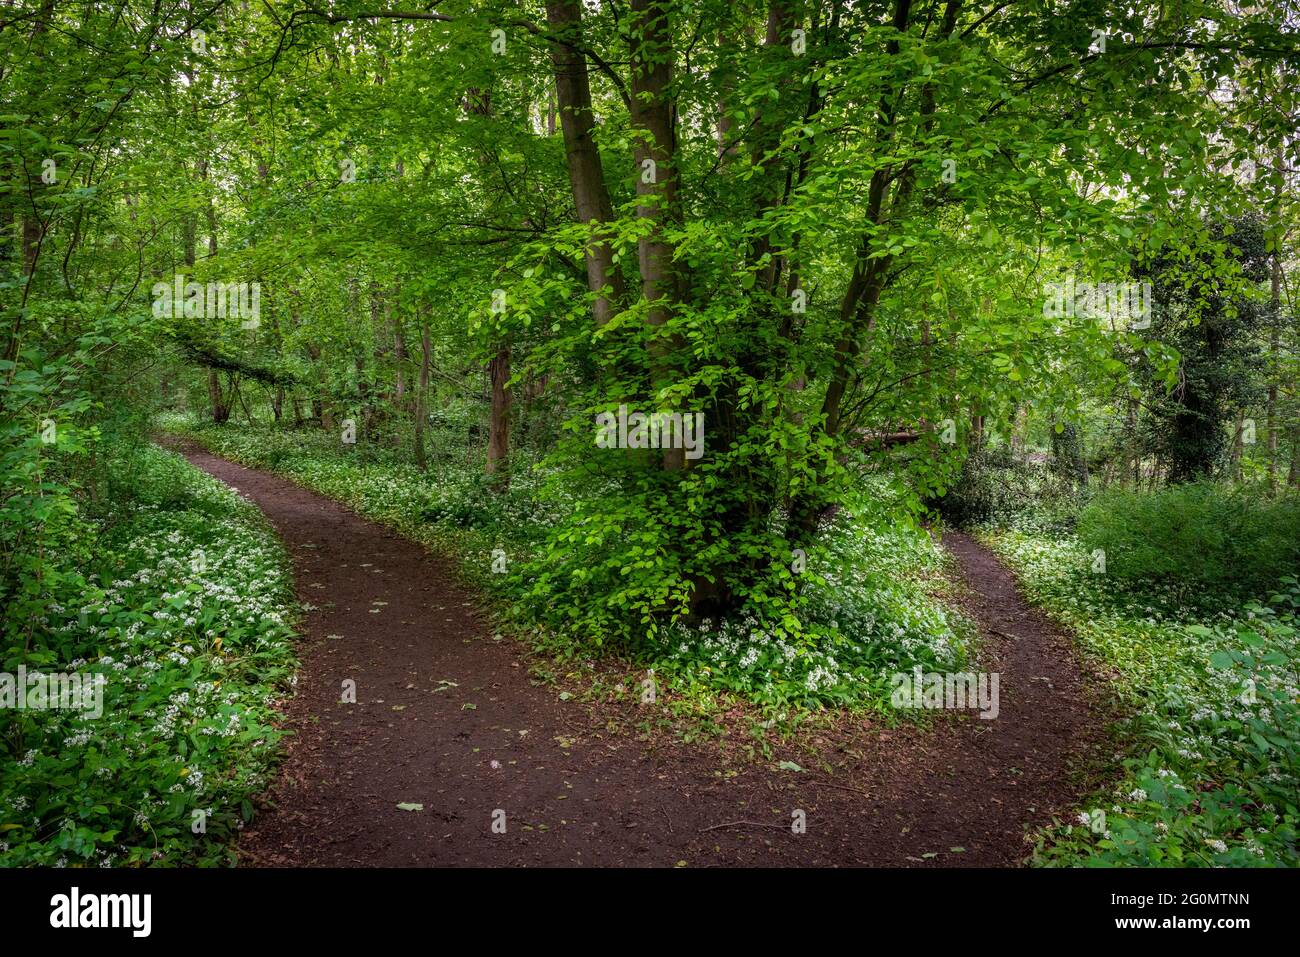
<point>446,717</point>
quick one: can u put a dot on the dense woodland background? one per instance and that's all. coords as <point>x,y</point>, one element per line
<point>826,225</point>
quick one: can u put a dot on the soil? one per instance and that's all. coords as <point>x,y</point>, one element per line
<point>447,718</point>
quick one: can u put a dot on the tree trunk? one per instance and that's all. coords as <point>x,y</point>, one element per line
<point>586,173</point>
<point>1019,430</point>
<point>654,148</point>
<point>319,410</point>
<point>498,449</point>
<point>1293,474</point>
<point>1130,425</point>
<point>1237,446</point>
<point>220,410</point>
<point>1274,340</point>
<point>32,233</point>
<point>861,297</point>
<point>725,126</point>
<point>211,215</point>
<point>399,357</point>
<point>33,230</point>
<point>220,406</point>
<point>420,395</point>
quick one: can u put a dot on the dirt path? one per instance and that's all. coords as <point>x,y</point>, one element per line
<point>446,717</point>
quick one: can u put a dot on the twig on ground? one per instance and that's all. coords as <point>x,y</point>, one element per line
<point>842,787</point>
<point>714,827</point>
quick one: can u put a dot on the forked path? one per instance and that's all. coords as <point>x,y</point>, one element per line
<point>447,718</point>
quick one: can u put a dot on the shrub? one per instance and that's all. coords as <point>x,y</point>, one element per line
<point>996,489</point>
<point>1199,534</point>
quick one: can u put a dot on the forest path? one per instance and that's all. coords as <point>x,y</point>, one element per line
<point>446,717</point>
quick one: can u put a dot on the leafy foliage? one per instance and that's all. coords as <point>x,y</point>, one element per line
<point>1210,767</point>
<point>997,488</point>
<point>191,659</point>
<point>825,227</point>
<point>1198,536</point>
<point>869,609</point>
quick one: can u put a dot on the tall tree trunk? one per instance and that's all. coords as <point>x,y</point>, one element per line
<point>33,230</point>
<point>1130,426</point>
<point>1274,340</point>
<point>765,139</point>
<point>209,211</point>
<point>1293,474</point>
<point>654,148</point>
<point>221,407</point>
<point>862,295</point>
<point>498,450</point>
<point>319,409</point>
<point>586,173</point>
<point>190,229</point>
<point>724,127</point>
<point>1020,430</point>
<point>421,394</point>
<point>32,235</point>
<point>399,357</point>
<point>1237,445</point>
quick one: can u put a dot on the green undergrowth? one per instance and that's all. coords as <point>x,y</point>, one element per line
<point>1211,760</point>
<point>175,594</point>
<point>869,607</point>
<point>1204,537</point>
